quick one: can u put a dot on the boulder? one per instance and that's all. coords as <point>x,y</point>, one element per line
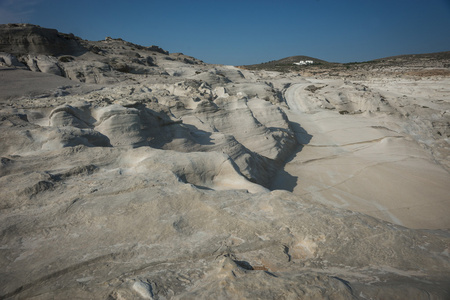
<point>44,64</point>
<point>9,60</point>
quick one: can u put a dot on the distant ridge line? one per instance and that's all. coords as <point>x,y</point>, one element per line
<point>289,62</point>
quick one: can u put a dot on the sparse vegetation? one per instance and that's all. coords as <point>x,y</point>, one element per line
<point>312,88</point>
<point>438,61</point>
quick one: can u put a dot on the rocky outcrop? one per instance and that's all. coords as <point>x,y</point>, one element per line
<point>49,51</point>
<point>43,63</point>
<point>9,60</point>
<point>22,39</point>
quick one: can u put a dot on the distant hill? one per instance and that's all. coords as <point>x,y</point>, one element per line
<point>410,57</point>
<point>287,64</point>
<point>294,59</point>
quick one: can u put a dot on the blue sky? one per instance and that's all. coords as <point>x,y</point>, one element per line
<point>251,31</point>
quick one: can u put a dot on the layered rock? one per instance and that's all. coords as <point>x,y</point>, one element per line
<point>131,173</point>
<point>22,39</point>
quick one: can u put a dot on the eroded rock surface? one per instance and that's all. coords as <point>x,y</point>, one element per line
<point>138,174</point>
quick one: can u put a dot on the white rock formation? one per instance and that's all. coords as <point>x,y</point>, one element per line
<point>148,175</point>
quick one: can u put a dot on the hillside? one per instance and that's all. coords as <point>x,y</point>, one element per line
<point>287,64</point>
<point>439,60</point>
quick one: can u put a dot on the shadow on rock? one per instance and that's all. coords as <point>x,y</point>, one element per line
<point>283,180</point>
<point>180,136</point>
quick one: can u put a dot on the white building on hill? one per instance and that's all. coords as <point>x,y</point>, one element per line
<point>304,62</point>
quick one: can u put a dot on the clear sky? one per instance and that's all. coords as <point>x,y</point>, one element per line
<point>251,31</point>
